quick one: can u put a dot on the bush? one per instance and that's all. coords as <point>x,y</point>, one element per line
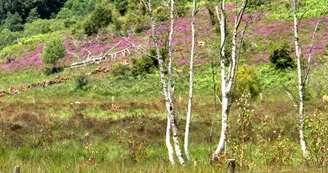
<point>13,22</point>
<point>281,57</point>
<point>121,6</point>
<point>142,66</point>
<point>121,70</point>
<point>53,51</point>
<point>258,3</point>
<point>43,26</point>
<point>8,37</point>
<point>147,63</point>
<point>161,14</point>
<point>247,82</point>
<point>64,13</point>
<point>49,70</point>
<point>32,16</point>
<point>180,8</point>
<point>69,22</point>
<point>136,22</point>
<point>81,81</point>
<point>79,7</point>
<point>101,17</point>
<point>78,31</point>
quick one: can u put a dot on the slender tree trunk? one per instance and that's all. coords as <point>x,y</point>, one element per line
<point>225,98</point>
<point>162,80</point>
<point>227,78</point>
<point>170,91</point>
<point>191,81</point>
<point>167,89</point>
<point>301,83</point>
<point>224,127</point>
<point>168,141</point>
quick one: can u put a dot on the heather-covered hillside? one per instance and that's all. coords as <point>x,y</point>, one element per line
<point>263,37</point>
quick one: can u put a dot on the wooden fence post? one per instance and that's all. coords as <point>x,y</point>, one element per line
<point>16,169</point>
<point>231,164</point>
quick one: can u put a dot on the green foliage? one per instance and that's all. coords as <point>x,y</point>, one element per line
<point>247,81</point>
<point>120,70</point>
<point>259,4</point>
<point>121,6</point>
<point>45,8</point>
<point>136,22</point>
<point>80,7</point>
<point>81,81</point>
<point>43,26</point>
<point>316,137</point>
<point>78,31</point>
<point>51,69</point>
<point>161,13</point>
<point>144,65</point>
<point>64,13</point>
<point>244,124</point>
<point>33,15</point>
<point>280,153</point>
<point>100,18</point>
<point>8,37</point>
<point>281,57</point>
<point>281,9</point>
<point>318,80</point>
<point>271,78</point>
<point>181,8</point>
<point>48,8</point>
<point>13,22</point>
<point>69,22</point>
<point>53,51</point>
<point>47,70</point>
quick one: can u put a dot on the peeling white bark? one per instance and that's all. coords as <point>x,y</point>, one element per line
<point>227,78</point>
<point>168,141</point>
<point>301,87</point>
<point>170,91</point>
<point>191,81</point>
<point>167,88</point>
<point>223,60</point>
<point>162,79</point>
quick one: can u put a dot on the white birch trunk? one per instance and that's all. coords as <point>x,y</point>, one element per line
<point>227,82</point>
<point>225,99</point>
<point>300,83</point>
<point>191,81</point>
<point>162,80</point>
<point>170,91</point>
<point>168,141</point>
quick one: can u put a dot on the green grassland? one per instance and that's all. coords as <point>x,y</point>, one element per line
<point>63,129</point>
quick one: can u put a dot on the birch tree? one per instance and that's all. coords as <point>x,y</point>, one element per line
<point>191,79</point>
<point>166,82</point>
<point>303,71</point>
<point>228,74</point>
